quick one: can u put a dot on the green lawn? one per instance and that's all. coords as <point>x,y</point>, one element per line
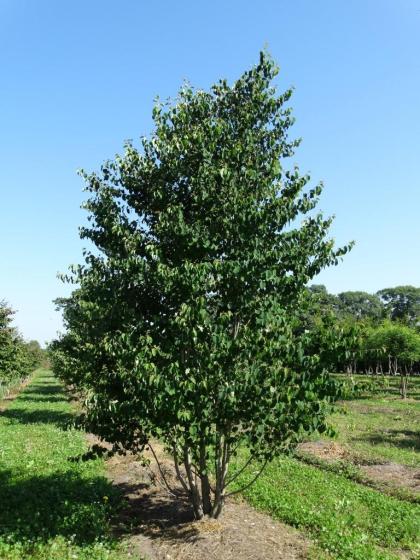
<point>50,507</point>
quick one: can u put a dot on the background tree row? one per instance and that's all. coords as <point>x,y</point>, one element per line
<point>17,357</point>
<point>379,333</point>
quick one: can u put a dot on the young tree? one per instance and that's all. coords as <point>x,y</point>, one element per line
<point>400,346</point>
<point>8,348</point>
<point>182,324</point>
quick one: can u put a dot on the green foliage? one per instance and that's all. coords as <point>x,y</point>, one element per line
<point>347,520</point>
<point>183,324</point>
<point>51,508</point>
<point>398,341</point>
<point>400,345</point>
<point>402,303</point>
<point>361,305</point>
<point>17,358</point>
<point>363,340</point>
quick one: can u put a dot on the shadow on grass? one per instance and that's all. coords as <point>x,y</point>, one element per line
<point>393,395</point>
<point>23,416</point>
<point>39,389</point>
<point>404,439</point>
<point>62,504</point>
<point>379,387</point>
<point>41,394</point>
<point>35,397</point>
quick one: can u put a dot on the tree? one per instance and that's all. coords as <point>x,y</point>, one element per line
<point>35,354</point>
<point>322,301</point>
<point>400,345</point>
<point>182,324</point>
<point>361,305</point>
<point>17,359</point>
<point>402,303</point>
<point>8,349</point>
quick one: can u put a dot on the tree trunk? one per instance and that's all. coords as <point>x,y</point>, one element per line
<point>194,492</point>
<point>222,459</point>
<point>205,484</point>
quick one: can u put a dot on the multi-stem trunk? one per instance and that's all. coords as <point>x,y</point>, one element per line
<point>222,465</point>
<point>206,499</point>
<point>205,482</point>
<point>194,492</point>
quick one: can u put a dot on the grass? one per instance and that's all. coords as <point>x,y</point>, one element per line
<point>51,507</point>
<point>346,520</point>
<point>382,426</point>
<point>57,509</point>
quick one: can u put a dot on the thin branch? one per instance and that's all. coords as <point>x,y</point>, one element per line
<point>161,472</point>
<point>233,450</point>
<point>194,496</point>
<point>225,462</point>
<point>238,473</point>
<point>249,483</point>
<point>194,469</point>
<point>178,472</point>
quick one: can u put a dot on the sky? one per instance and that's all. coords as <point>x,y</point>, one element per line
<point>78,78</point>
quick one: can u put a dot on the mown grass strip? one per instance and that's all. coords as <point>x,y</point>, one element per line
<point>378,425</point>
<point>50,507</point>
<point>345,519</point>
<point>353,472</point>
<point>381,430</point>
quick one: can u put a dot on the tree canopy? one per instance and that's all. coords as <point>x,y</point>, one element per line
<point>17,358</point>
<point>402,303</point>
<point>361,305</point>
<point>182,324</point>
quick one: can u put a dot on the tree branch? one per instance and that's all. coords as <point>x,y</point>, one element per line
<point>162,474</point>
<point>238,473</point>
<point>178,471</point>
<point>249,483</point>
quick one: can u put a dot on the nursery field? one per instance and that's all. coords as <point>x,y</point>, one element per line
<point>379,425</point>
<point>53,507</point>
<point>358,493</point>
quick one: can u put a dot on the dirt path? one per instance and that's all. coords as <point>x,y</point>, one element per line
<point>158,526</point>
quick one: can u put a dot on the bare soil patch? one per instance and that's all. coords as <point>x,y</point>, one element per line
<point>159,526</point>
<point>325,450</point>
<point>362,408</point>
<point>394,474</point>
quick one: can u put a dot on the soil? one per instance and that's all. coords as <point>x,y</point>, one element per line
<point>394,474</point>
<point>325,450</point>
<point>370,409</point>
<point>159,526</point>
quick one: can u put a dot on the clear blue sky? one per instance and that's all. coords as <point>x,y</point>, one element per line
<point>77,78</point>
